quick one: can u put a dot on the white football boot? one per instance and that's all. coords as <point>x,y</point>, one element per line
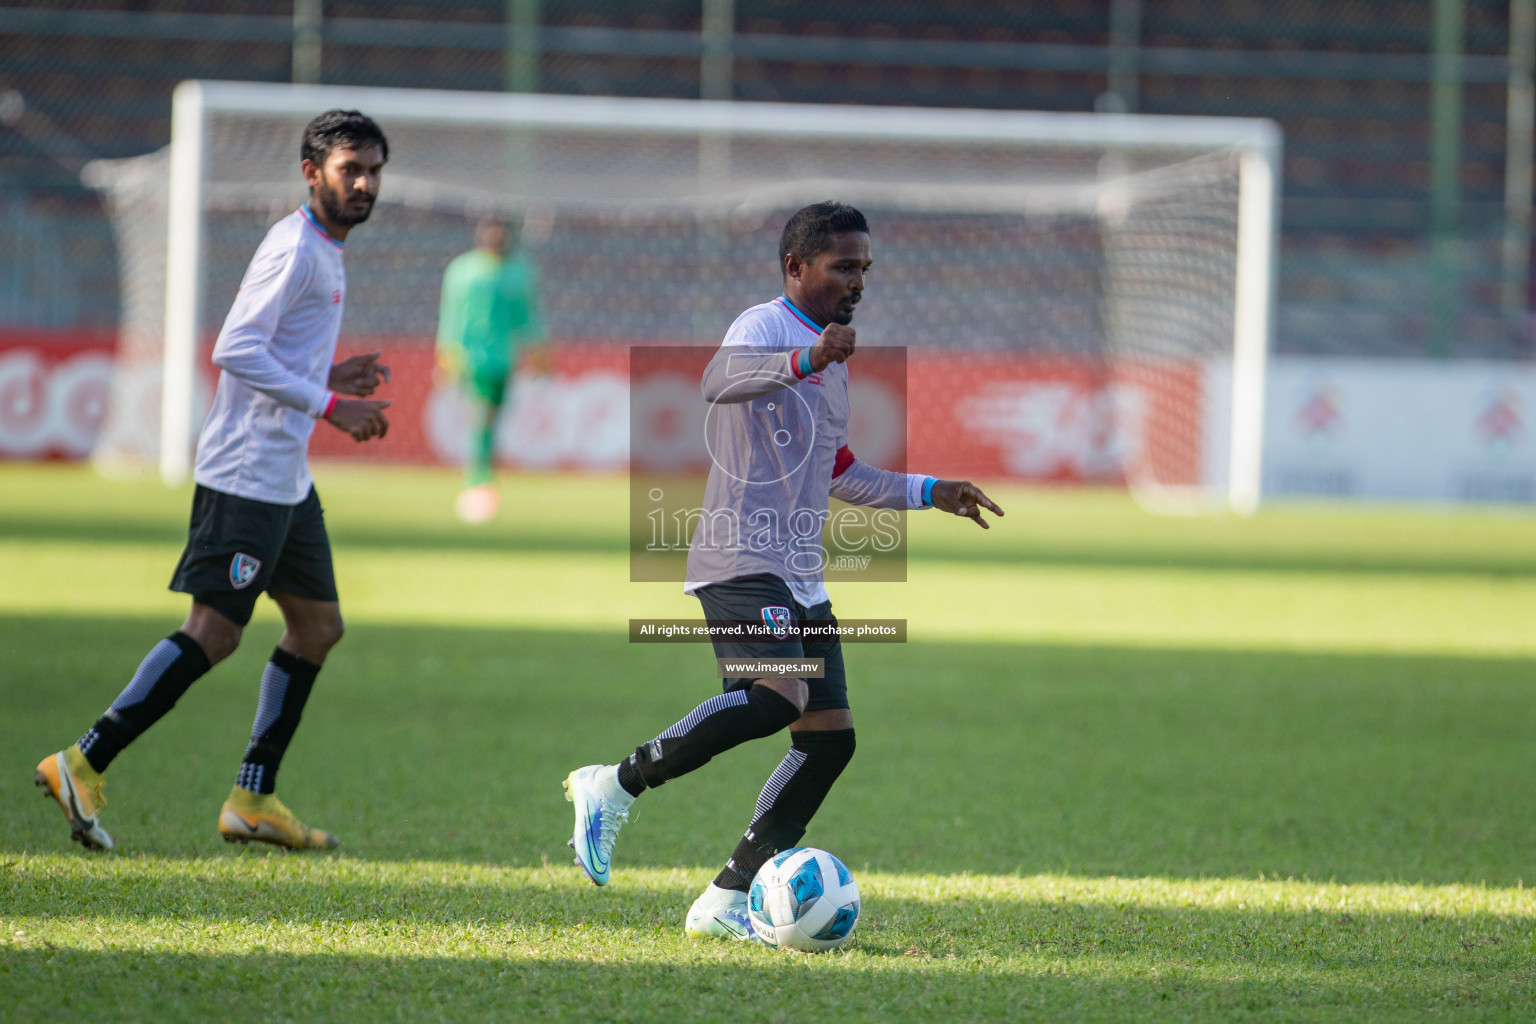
<point>719,914</point>
<point>602,808</point>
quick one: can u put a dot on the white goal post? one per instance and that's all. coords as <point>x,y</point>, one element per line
<point>504,151</point>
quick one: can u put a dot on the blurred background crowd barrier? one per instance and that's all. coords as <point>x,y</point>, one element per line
<point>1403,339</point>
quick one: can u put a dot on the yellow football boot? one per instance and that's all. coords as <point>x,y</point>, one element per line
<point>77,788</point>
<point>248,816</point>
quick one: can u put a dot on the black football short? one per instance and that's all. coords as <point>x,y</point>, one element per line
<point>238,548</point>
<point>766,599</point>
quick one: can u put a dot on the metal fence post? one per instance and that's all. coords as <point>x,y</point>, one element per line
<point>307,22</point>
<point>1124,57</point>
<point>1445,172</point>
<point>1520,126</point>
<point>523,45</point>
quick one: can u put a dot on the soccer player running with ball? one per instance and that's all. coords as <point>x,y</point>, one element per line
<point>257,525</point>
<point>773,459</point>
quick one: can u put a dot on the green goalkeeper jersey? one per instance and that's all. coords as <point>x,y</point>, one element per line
<point>490,306</point>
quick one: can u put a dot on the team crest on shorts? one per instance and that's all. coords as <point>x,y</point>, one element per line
<point>243,570</point>
<point>777,618</point>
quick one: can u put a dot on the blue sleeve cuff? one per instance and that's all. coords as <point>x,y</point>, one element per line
<point>805,363</point>
<point>928,491</point>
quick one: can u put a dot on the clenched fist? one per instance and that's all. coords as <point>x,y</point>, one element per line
<point>834,346</point>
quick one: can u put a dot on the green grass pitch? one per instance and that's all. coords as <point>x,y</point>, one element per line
<point>1127,768</point>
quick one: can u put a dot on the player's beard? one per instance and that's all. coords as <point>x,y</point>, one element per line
<point>336,208</point>
<point>843,314</point>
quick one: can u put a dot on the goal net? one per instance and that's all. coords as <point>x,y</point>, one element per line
<point>1082,296</point>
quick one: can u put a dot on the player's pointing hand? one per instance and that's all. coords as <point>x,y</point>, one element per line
<point>359,375</point>
<point>360,418</point>
<point>963,498</point>
<point>834,346</point>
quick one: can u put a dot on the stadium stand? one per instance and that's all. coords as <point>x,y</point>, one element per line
<point>1348,82</point>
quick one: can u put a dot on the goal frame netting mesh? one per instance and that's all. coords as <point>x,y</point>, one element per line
<point>1220,174</point>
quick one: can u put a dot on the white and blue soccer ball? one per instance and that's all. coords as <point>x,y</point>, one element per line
<point>804,899</point>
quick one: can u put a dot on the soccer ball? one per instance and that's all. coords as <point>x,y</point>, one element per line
<point>804,899</point>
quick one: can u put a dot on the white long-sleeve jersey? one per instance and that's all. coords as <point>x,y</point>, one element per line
<point>274,355</point>
<point>779,442</point>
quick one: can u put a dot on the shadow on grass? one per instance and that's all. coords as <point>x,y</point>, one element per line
<point>527,951</point>
<point>456,537</point>
<point>449,744</point>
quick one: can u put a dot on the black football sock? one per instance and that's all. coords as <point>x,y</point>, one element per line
<point>285,686</point>
<point>171,666</point>
<point>789,799</point>
<point>713,727</point>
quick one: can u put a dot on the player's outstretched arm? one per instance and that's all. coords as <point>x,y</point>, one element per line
<point>359,375</point>
<point>359,417</point>
<point>963,498</point>
<point>859,483</point>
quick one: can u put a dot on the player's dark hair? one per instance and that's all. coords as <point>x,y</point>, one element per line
<point>340,128</point>
<point>809,232</point>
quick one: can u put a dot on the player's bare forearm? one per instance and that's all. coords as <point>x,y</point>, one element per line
<point>359,375</point>
<point>359,418</point>
<point>963,498</point>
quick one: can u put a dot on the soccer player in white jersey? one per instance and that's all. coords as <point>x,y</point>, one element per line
<point>257,525</point>
<point>773,460</point>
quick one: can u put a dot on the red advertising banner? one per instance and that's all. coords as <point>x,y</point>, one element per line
<point>975,414</point>
<point>53,392</point>
<point>1060,418</point>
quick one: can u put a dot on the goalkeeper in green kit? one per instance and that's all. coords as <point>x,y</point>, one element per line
<point>490,309</point>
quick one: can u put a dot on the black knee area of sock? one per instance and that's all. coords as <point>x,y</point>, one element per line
<point>193,651</point>
<point>783,825</point>
<point>120,726</point>
<point>764,713</point>
<point>190,666</point>
<point>293,664</point>
<point>774,710</point>
<point>834,746</point>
